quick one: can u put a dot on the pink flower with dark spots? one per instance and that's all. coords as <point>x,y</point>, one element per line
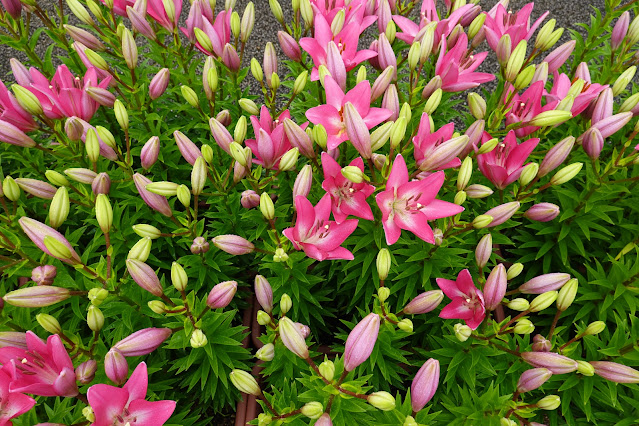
<point>347,198</point>
<point>319,237</point>
<point>331,114</point>
<point>516,25</point>
<point>127,405</point>
<point>270,141</point>
<point>410,205</point>
<point>43,369</point>
<point>467,301</point>
<point>503,165</point>
<point>457,67</point>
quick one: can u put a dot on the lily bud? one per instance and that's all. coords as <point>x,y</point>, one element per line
<point>477,105</point>
<point>518,304</point>
<point>248,22</point>
<point>482,221</point>
<point>159,83</point>
<point>165,189</point>
<point>524,326</point>
<point>462,332</point>
<point>59,209</point>
<point>233,244</point>
<point>361,341</point>
<point>503,212</point>
<point>357,131</point>
<point>36,297</point>
<point>85,372</point>
<point>292,338</point>
<point>550,118</point>
<point>285,303</point>
<point>478,191</point>
<point>587,369</point>
<point>383,263</point>
<point>104,213</point>
<point>382,82</point>
<point>39,232</point>
<point>49,323</point>
<point>542,212</point>
<point>289,160</point>
<point>483,250</point>
<point>595,327</point>
<point>266,206</point>
<point>264,293</point>
<point>550,402</point>
<point>615,372</point>
<point>567,294</point>
<point>544,283</point>
<point>312,410</point>
<point>101,184</point>
<point>221,295</point>
<point>116,366</point>
<point>27,100</point>
<point>495,287</point>
<point>298,138</point>
<point>55,178</point>
<point>554,362</point>
<point>37,188</point>
<point>129,49</point>
<point>533,379</point>
<point>424,302</point>
<point>198,339</point>
<point>184,195</point>
<point>488,146</point>
<point>543,301</point>
<point>144,230</point>
<point>266,352</point>
<point>249,106</point>
<point>424,384</point>
<point>300,82</point>
<point>95,318</point>
<point>144,276</point>
<point>263,318</point>
<point>354,174</point>
<point>44,275</point>
<point>528,174</point>
<point>199,245</point>
<point>515,61</point>
<point>382,401</point>
<point>405,325</point>
<point>541,344</point>
<point>245,382</point>
<point>157,306</point>
<point>327,370</point>
<point>143,342</point>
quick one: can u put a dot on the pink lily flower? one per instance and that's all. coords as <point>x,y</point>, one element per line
<point>112,405</point>
<point>347,198</point>
<point>355,11</point>
<point>561,86</point>
<point>457,67</point>
<point>516,25</point>
<point>65,95</point>
<point>525,106</point>
<point>12,404</point>
<point>503,165</point>
<point>346,41</point>
<point>270,141</point>
<point>412,32</point>
<point>119,6</point>
<point>331,115</point>
<point>217,28</point>
<point>155,9</point>
<point>410,205</point>
<point>44,369</point>
<point>427,143</point>
<point>80,50</point>
<point>11,111</point>
<point>467,301</point>
<point>319,237</point>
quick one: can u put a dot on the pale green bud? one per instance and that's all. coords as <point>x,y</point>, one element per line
<point>140,250</point>
<point>96,60</point>
<point>405,325</point>
<point>300,82</point>
<point>567,294</point>
<point>266,206</point>
<point>519,304</point>
<point>92,146</point>
<point>476,25</point>
<point>383,263</point>
<point>166,189</point>
<point>327,370</point>
<point>482,221</point>
<point>198,339</point>
<point>285,303</point>
<point>354,174</point>
<point>594,328</point>
<point>383,293</point>
<point>414,55</point>
<point>57,248</point>
<point>550,118</point>
<point>106,136</point>
<point>59,208</point>
<point>514,270</point>
<point>103,212</point>
<point>462,332</point>
<point>380,136</point>
<point>95,318</point>
<point>525,77</point>
<point>477,105</point>
<point>397,131</point>
<point>266,352</point>
<point>289,160</point>
<point>543,301</point>
<point>320,136</point>
<point>190,96</point>
<point>56,178</point>
<point>80,12</point>
<point>566,174</point>
<point>541,42</point>
<point>488,146</point>
<point>433,102</point>
<point>245,382</point>
<point>49,323</point>
<point>157,306</point>
<point>235,24</point>
<point>460,198</point>
<point>528,174</point>
<point>465,172</point>
<point>524,326</point>
<point>121,115</point>
<point>144,230</point>
<point>97,296</point>
<point>198,176</point>
<point>622,81</point>
<point>27,100</point>
<point>382,401</point>
<point>361,74</point>
<point>585,368</point>
<point>207,153</point>
<point>312,410</point>
<point>515,61</point>
<point>179,279</point>
<point>629,103</point>
<point>263,318</point>
<point>280,255</point>
<point>10,188</point>
<point>550,402</point>
<point>184,195</point>
<point>249,106</point>
<point>256,70</point>
<point>409,420</point>
<point>239,133</point>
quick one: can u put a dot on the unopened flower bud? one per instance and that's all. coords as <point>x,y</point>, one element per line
<point>198,339</point>
<point>249,106</point>
<point>462,332</point>
<point>140,250</point>
<point>59,208</point>
<point>97,296</point>
<point>382,401</point>
<point>383,263</point>
<point>121,114</point>
<point>266,206</point>
<point>488,146</point>
<point>595,327</point>
<point>266,352</point>
<point>27,100</point>
<point>49,323</point>
<point>585,368</point>
<point>518,304</point>
<point>233,244</point>
<point>263,318</point>
<point>550,402</point>
<point>292,338</point>
<point>514,270</point>
<point>144,230</point>
<point>405,325</point>
<point>285,303</point>
<point>245,382</point>
<point>54,177</point>
<point>354,174</point>
<point>327,370</point>
<point>524,326</point>
<point>312,410</point>
<point>157,306</point>
<point>221,295</point>
<point>482,221</point>
<point>543,301</point>
<point>95,318</point>
<point>103,213</point>
<point>528,174</point>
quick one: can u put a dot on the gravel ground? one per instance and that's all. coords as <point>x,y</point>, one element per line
<point>567,15</point>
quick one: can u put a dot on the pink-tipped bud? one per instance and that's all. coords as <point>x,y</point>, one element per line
<point>84,37</point>
<point>385,55</point>
<point>299,138</point>
<point>303,182</point>
<point>504,49</point>
<point>73,128</point>
<point>37,296</point>
<point>142,342</point>
<point>533,379</point>
<point>335,64</point>
<point>495,287</point>
<point>224,117</point>
<point>324,420</point>
<point>424,384</point>
<point>361,341</point>
<point>140,23</point>
<point>187,148</point>
<point>250,199</point>
<point>474,133</point>
<point>620,30</point>
<point>37,231</point>
<point>264,293</point>
<point>233,244</point>
<point>14,339</point>
<point>44,275</point>
<point>357,131</point>
<point>382,82</point>
<point>270,62</point>
<point>116,366</point>
<point>557,57</point>
<point>292,338</point>
<point>542,212</point>
<point>544,283</point>
<point>221,135</point>
<point>199,245</point>
<point>289,46</point>
<point>556,156</point>
<point>503,212</point>
<point>101,96</point>
<point>150,152</point>
<point>155,201</point>
<point>541,344</point>
<point>101,184</point>
<point>305,330</point>
<point>13,8</point>
<point>221,295</point>
<point>230,57</point>
<point>611,125</point>
<point>159,83</point>
<point>81,175</point>
<point>602,107</point>
<point>85,372</point>
<point>424,302</point>
<point>483,250</point>
<point>615,372</point>
<point>390,101</point>
<point>593,142</point>
<point>557,364</point>
<point>145,277</point>
<point>37,188</point>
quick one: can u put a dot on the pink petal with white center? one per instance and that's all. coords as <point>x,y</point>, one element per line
<point>449,287</point>
<point>149,413</point>
<point>456,309</point>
